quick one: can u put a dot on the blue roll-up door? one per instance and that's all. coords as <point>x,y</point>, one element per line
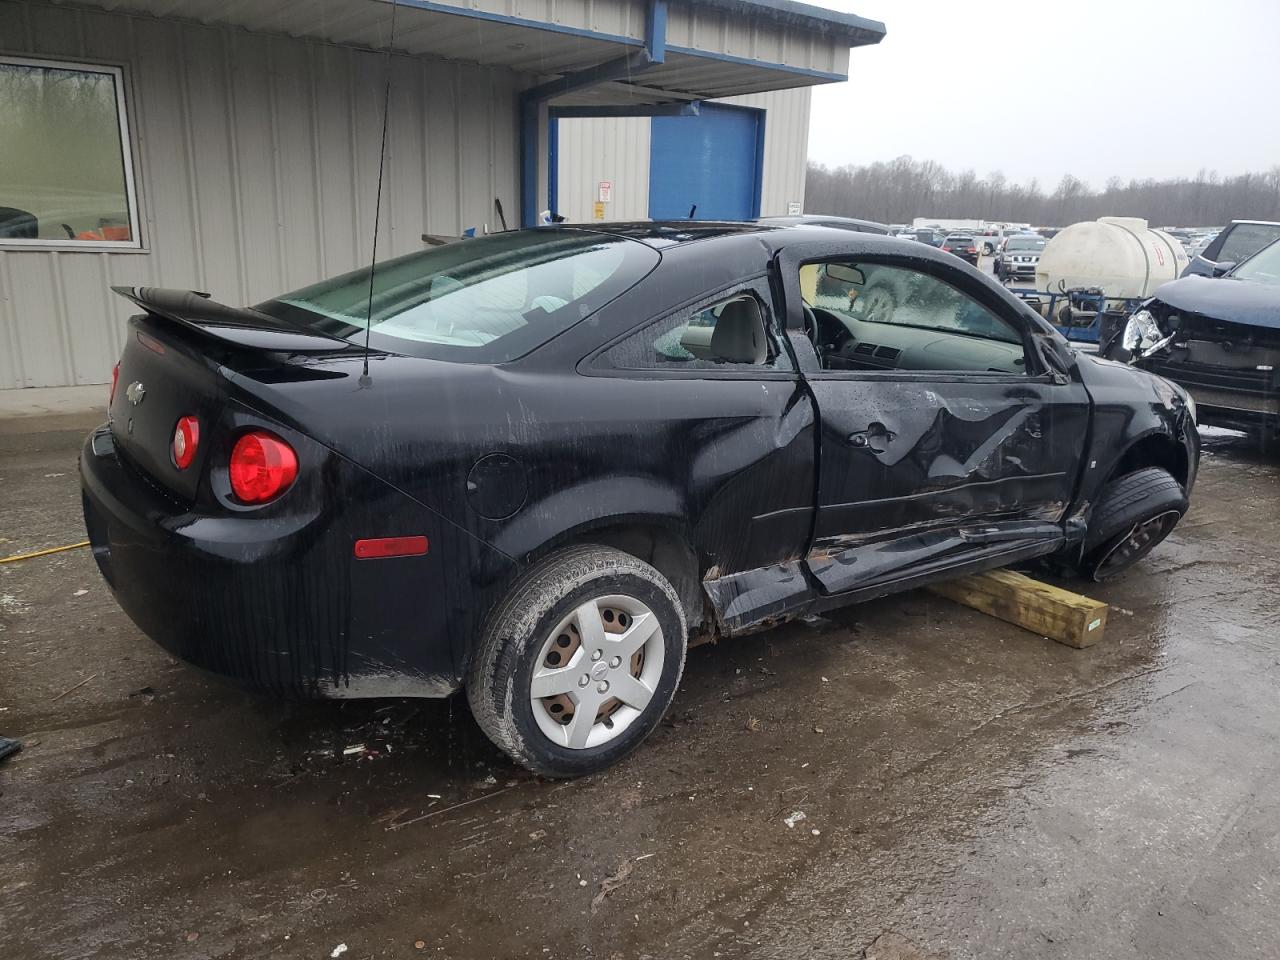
<point>712,160</point>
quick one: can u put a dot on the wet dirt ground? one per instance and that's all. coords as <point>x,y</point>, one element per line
<point>968,787</point>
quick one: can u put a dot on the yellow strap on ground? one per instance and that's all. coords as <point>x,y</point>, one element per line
<point>41,553</point>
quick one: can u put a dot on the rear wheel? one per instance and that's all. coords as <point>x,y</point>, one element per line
<point>580,661</point>
<point>1133,515</point>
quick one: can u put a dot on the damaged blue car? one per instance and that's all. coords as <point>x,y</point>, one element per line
<point>1219,337</point>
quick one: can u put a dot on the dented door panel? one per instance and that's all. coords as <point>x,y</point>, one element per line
<point>909,466</point>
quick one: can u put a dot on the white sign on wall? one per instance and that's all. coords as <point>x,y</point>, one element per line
<point>793,208</point>
<point>605,194</point>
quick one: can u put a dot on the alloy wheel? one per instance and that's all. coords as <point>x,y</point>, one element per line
<point>1141,539</point>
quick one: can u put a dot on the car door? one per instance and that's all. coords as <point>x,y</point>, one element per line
<point>738,426</point>
<point>944,436</point>
<point>1237,241</point>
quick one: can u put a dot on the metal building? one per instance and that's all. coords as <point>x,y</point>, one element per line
<point>232,146</point>
<point>735,159</point>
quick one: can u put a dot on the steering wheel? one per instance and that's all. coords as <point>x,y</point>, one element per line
<point>812,331</point>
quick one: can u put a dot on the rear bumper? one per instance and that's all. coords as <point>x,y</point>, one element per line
<point>275,602</point>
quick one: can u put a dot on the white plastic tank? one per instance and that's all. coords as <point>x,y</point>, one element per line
<point>1121,255</point>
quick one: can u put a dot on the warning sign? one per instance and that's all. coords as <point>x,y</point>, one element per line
<point>598,212</point>
<point>605,192</point>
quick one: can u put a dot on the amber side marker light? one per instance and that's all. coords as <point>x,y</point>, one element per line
<point>381,547</point>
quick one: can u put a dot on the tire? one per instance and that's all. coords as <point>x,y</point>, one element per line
<point>525,637</point>
<point>1132,516</point>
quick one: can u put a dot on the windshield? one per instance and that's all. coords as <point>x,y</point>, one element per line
<point>1262,267</point>
<point>1025,243</point>
<point>487,300</point>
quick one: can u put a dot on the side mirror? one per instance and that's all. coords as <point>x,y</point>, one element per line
<point>1224,267</point>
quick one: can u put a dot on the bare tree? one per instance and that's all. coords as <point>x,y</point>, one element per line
<point>903,188</point>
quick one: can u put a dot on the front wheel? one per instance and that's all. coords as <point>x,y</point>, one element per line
<point>1133,514</point>
<point>579,662</point>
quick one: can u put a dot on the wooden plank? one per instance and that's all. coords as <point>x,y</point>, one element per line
<point>1039,607</point>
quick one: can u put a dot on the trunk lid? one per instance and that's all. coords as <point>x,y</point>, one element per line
<point>172,367</point>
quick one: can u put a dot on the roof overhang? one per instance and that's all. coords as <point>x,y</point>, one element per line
<point>713,48</point>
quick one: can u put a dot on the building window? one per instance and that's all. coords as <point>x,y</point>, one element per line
<point>66,171</point>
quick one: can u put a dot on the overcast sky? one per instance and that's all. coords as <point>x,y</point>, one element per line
<point>1131,88</point>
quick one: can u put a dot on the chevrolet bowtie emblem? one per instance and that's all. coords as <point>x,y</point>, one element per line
<point>135,393</point>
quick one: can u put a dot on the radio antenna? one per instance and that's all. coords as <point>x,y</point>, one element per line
<point>377,205</point>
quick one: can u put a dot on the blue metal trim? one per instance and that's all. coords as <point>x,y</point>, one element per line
<point>431,7</point>
<point>528,162</point>
<point>553,163</point>
<point>617,69</point>
<point>768,64</point>
<point>655,34</point>
<point>683,109</point>
<point>858,31</point>
<point>761,119</point>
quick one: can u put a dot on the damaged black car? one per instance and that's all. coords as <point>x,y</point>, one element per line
<point>1219,337</point>
<point>538,464</point>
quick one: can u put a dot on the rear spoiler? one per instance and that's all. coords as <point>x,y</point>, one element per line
<point>239,326</point>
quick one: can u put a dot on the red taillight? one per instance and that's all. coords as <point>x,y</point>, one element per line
<point>262,467</point>
<point>390,547</point>
<point>186,438</point>
<point>115,378</point>
<point>971,250</point>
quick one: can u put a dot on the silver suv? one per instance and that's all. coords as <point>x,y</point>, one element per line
<point>1019,256</point>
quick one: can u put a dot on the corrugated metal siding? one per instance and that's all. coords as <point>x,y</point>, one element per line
<point>717,31</point>
<point>256,165</point>
<point>617,149</point>
<point>786,146</point>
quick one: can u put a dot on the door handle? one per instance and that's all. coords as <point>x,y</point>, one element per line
<point>875,438</point>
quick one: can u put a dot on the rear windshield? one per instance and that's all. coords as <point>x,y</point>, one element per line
<point>959,240</point>
<point>486,300</point>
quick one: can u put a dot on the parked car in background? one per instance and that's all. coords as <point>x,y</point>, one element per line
<point>1200,244</point>
<point>1219,337</point>
<point>1018,257</point>
<point>993,238</point>
<point>1238,240</point>
<point>566,451</point>
<point>929,235</point>
<point>963,246</point>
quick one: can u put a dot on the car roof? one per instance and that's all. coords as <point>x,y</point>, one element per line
<point>818,219</point>
<point>774,232</point>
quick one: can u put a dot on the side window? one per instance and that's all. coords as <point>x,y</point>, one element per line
<point>874,316</point>
<point>733,330</point>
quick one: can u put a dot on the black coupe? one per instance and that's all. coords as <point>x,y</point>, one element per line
<point>565,452</point>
